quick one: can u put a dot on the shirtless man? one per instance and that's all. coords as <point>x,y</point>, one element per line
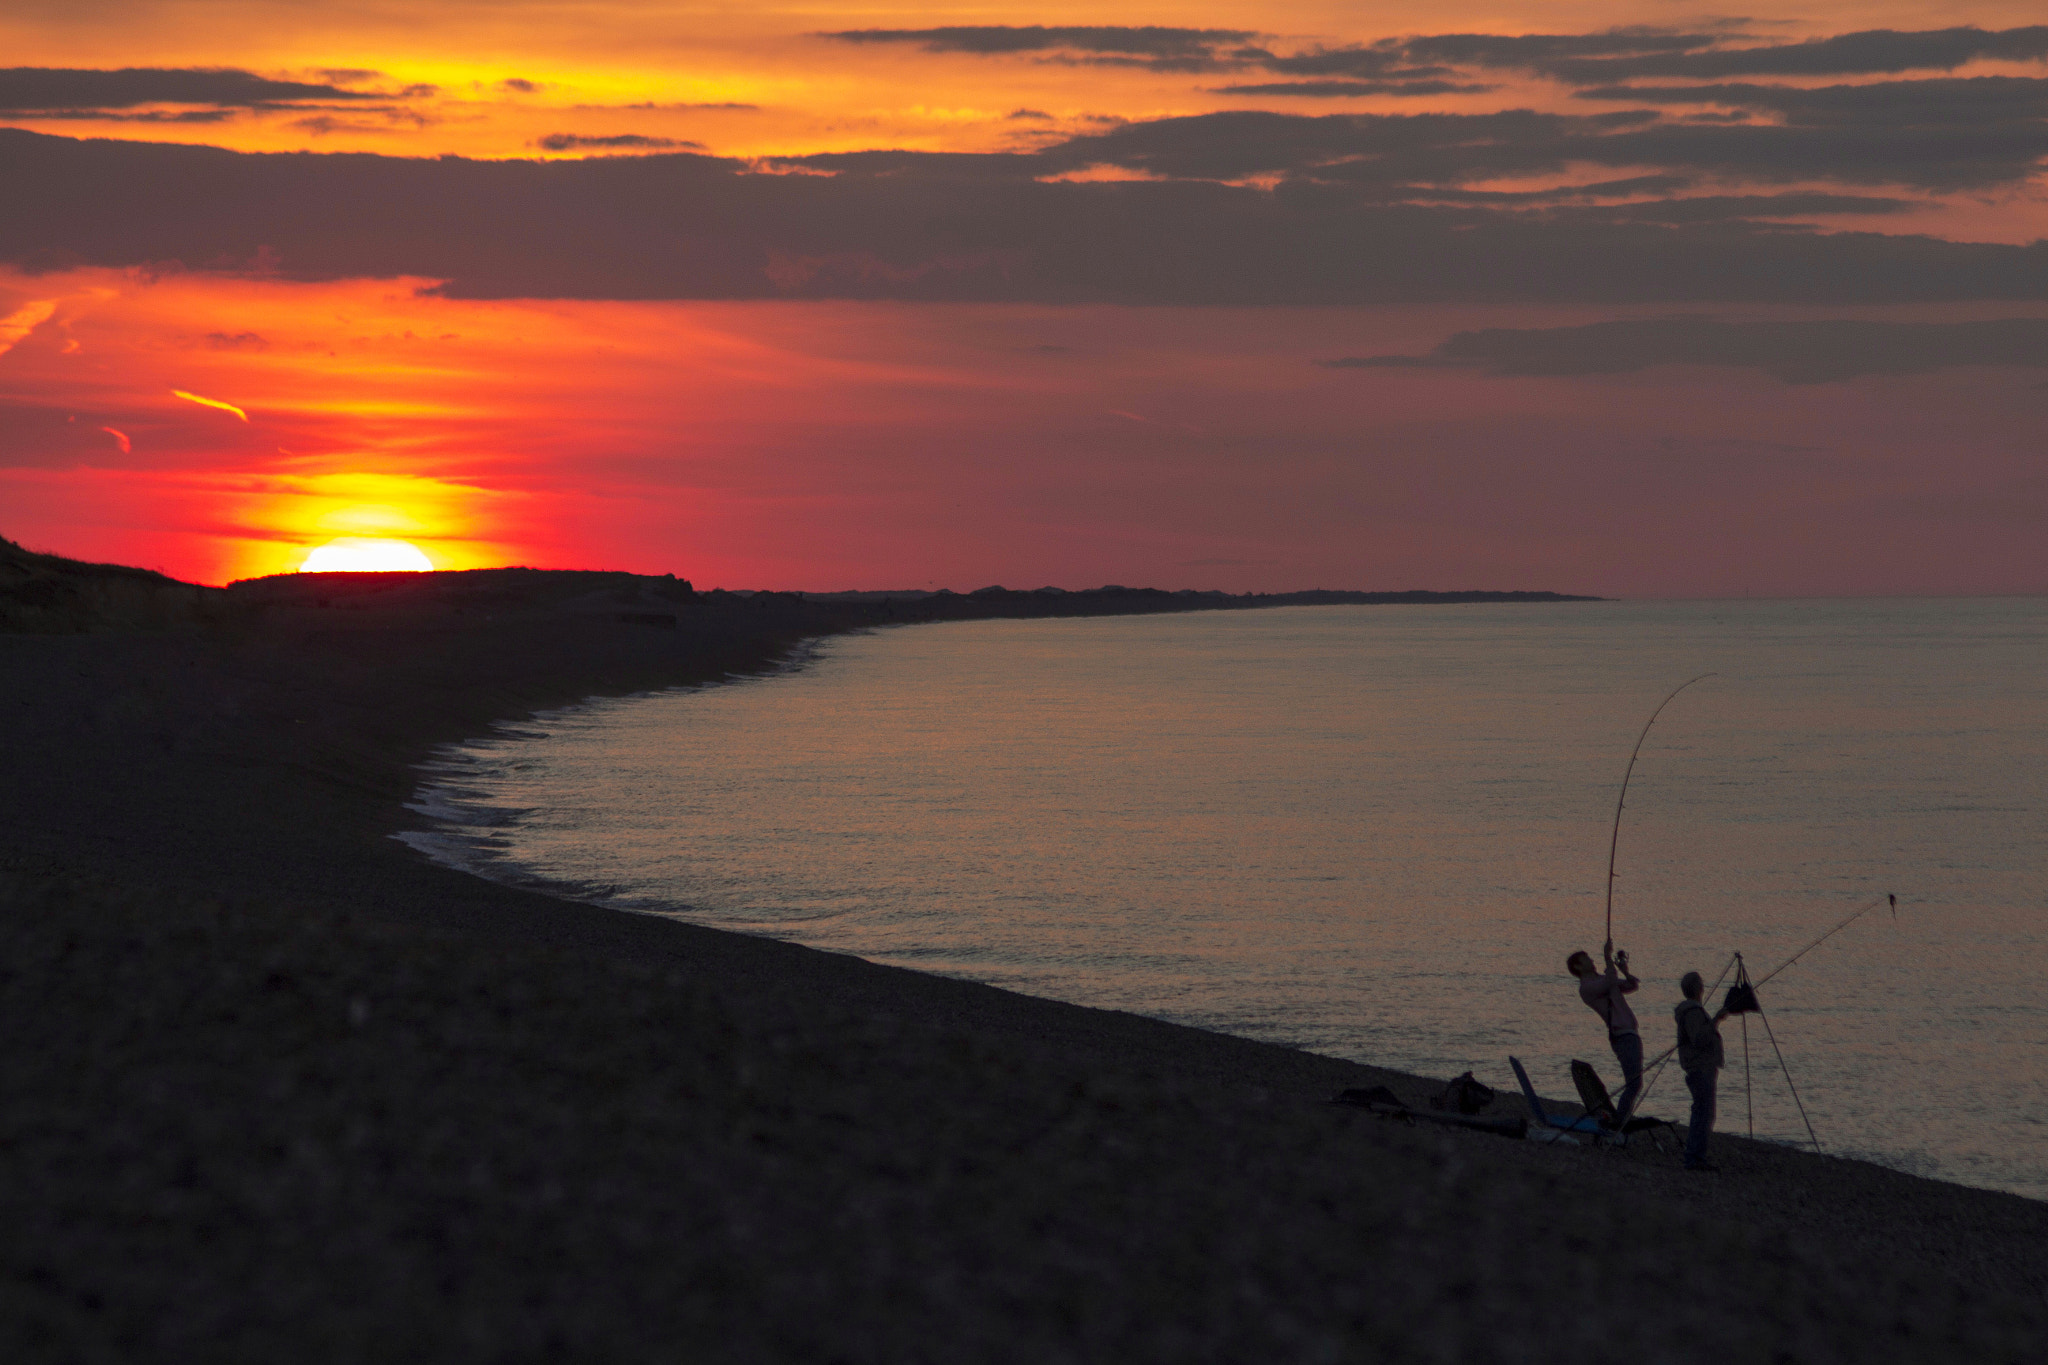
<point>1604,994</point>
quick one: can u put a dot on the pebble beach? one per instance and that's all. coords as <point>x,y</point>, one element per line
<point>280,1088</point>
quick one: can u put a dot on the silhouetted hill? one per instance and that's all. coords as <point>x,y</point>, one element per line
<point>465,592</point>
<point>667,600</point>
<point>45,594</point>
<point>49,595</point>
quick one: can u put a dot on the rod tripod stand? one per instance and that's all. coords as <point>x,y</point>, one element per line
<point>1742,1002</point>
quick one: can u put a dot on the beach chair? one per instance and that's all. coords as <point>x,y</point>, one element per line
<point>1554,1129</point>
<point>1600,1105</point>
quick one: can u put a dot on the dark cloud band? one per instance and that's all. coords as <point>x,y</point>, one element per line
<point>1351,89</point>
<point>578,142</point>
<point>934,228</point>
<point>1982,100</point>
<point>1874,52</point>
<point>1712,53</point>
<point>1386,150</point>
<point>26,88</point>
<point>1795,352</point>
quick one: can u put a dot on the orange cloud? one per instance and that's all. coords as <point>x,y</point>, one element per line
<point>15,327</point>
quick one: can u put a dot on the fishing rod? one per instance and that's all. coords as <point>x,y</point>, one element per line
<point>1614,840</point>
<point>1742,1001</point>
<point>1892,900</point>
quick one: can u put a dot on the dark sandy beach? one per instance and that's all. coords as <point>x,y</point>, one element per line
<point>276,1088</point>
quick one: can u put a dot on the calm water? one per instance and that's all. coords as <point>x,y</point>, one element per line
<point>1376,832</point>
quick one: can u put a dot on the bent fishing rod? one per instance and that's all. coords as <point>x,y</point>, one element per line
<point>1614,840</point>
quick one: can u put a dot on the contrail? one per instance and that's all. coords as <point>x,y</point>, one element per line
<point>120,436</point>
<point>209,403</point>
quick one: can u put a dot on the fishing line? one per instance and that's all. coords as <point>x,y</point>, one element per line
<point>1614,839</point>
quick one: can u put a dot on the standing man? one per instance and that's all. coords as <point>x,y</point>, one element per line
<point>1699,1053</point>
<point>1604,994</point>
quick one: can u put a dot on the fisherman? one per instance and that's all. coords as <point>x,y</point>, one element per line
<point>1699,1054</point>
<point>1603,993</point>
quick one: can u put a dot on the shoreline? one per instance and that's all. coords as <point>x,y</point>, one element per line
<point>281,1082</point>
<point>446,823</point>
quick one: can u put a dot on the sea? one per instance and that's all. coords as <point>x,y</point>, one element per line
<point>1377,832</point>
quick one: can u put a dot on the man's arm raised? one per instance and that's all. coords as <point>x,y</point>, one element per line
<point>1628,978</point>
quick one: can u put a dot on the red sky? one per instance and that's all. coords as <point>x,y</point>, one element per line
<point>756,363</point>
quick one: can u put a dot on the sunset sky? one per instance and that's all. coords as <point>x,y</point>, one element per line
<point>1633,299</point>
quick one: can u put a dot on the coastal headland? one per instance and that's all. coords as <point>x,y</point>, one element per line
<point>276,1088</point>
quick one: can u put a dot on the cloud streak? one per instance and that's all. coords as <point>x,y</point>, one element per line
<point>1151,47</point>
<point>1351,89</point>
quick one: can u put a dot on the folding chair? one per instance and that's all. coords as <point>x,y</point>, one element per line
<point>1599,1105</point>
<point>1550,1129</point>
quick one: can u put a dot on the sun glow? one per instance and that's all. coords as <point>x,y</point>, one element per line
<point>362,554</point>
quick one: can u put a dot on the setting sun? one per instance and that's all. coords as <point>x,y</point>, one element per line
<point>359,554</point>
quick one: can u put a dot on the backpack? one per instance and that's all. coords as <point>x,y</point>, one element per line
<point>1462,1096</point>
